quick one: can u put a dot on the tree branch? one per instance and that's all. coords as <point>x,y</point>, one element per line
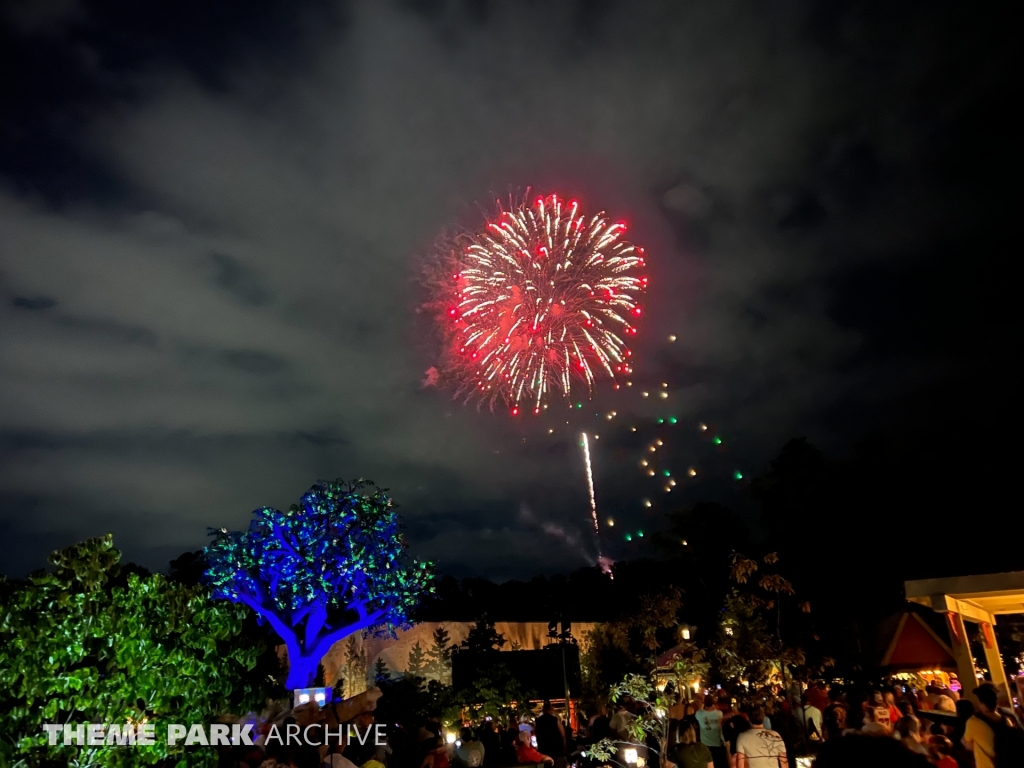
<point>298,615</point>
<point>279,535</point>
<point>285,632</point>
<point>359,606</point>
<point>315,622</point>
<point>324,644</point>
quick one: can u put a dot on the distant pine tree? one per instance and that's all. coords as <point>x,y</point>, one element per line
<point>355,662</point>
<point>439,657</point>
<point>380,670</point>
<point>417,664</point>
<point>483,637</point>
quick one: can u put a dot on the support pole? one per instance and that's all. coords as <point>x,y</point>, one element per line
<point>994,661</point>
<point>962,653</point>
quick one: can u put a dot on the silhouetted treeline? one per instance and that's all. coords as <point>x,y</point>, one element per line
<point>848,534</point>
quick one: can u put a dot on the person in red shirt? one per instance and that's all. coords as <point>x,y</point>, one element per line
<point>526,753</point>
<point>817,695</point>
<point>940,752</point>
<point>890,704</point>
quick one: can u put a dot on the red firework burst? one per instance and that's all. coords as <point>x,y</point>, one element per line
<point>539,300</point>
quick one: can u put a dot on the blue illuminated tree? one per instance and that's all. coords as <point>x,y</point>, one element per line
<point>330,566</point>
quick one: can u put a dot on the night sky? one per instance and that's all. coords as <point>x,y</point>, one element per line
<point>211,214</point>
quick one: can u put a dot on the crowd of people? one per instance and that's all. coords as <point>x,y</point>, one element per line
<point>824,726</point>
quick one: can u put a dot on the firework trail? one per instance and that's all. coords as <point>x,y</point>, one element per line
<point>539,299</point>
<point>585,442</point>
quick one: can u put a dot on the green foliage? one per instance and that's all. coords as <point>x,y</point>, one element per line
<point>493,692</point>
<point>651,721</point>
<point>95,642</point>
<point>745,648</point>
<point>629,645</point>
<point>751,643</point>
<point>691,666</point>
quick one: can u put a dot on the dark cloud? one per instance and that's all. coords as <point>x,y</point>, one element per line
<point>243,283</point>
<point>33,302</point>
<point>106,330</point>
<point>41,17</point>
<point>254,361</point>
<point>227,203</point>
<point>322,438</point>
<point>805,212</point>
